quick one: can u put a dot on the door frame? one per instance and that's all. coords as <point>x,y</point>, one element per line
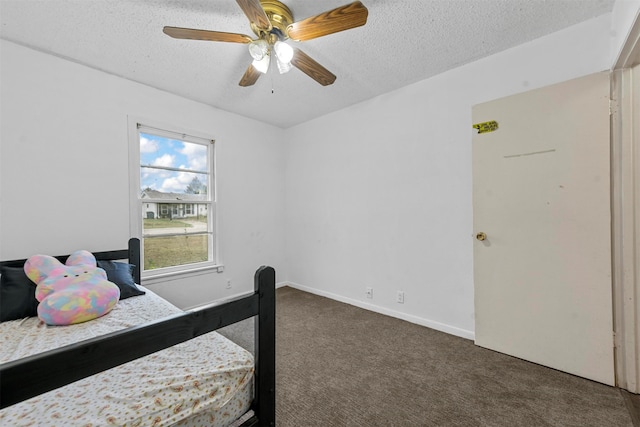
<point>625,208</point>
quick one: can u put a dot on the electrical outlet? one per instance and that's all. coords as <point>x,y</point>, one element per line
<point>228,283</point>
<point>400,297</point>
<point>369,292</point>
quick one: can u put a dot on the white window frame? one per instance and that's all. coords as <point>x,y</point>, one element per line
<point>137,125</point>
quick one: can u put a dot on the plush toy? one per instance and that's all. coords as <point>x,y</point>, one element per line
<point>69,293</point>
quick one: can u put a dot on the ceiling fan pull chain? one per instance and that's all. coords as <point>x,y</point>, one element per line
<point>272,70</point>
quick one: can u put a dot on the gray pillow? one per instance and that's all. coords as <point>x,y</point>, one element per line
<point>120,274</point>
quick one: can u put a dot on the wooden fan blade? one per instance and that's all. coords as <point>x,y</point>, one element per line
<point>214,36</point>
<point>311,68</point>
<point>342,18</point>
<point>250,76</point>
<point>256,14</point>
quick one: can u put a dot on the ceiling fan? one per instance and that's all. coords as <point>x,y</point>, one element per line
<point>273,24</point>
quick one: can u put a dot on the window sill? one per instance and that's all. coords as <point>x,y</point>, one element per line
<point>150,279</point>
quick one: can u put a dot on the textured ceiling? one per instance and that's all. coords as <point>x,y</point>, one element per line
<point>404,41</point>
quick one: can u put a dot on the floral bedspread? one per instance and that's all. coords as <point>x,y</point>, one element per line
<point>207,379</point>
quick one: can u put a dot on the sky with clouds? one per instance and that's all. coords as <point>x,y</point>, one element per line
<point>170,153</point>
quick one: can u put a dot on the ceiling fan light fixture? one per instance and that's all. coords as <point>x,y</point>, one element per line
<point>284,52</point>
<point>283,67</point>
<point>259,49</point>
<point>262,65</point>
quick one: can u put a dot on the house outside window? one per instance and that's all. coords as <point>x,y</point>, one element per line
<point>174,200</point>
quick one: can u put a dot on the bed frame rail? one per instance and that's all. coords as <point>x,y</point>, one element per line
<point>37,374</point>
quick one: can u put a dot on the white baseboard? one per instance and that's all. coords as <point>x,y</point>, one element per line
<point>463,333</point>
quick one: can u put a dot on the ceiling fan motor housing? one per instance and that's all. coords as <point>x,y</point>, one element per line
<point>280,17</point>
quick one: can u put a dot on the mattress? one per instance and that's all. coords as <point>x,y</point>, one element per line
<point>204,381</point>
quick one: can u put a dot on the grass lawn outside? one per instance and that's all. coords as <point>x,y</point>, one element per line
<point>168,251</point>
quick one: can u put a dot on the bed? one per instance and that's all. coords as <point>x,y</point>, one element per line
<point>144,363</point>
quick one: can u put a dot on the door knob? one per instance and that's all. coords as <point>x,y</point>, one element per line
<point>481,236</point>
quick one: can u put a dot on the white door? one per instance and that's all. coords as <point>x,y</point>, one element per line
<point>541,194</point>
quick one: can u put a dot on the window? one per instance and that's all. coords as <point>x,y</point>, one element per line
<point>174,200</point>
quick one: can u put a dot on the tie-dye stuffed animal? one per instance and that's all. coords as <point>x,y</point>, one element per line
<point>75,292</point>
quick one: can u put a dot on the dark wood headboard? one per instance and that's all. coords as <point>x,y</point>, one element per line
<point>132,254</point>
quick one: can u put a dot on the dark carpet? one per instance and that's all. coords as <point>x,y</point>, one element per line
<point>339,365</point>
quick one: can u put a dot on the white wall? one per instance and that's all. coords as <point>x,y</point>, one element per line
<point>379,194</point>
<point>64,169</point>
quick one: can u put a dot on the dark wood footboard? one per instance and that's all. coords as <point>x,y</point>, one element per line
<point>28,377</point>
